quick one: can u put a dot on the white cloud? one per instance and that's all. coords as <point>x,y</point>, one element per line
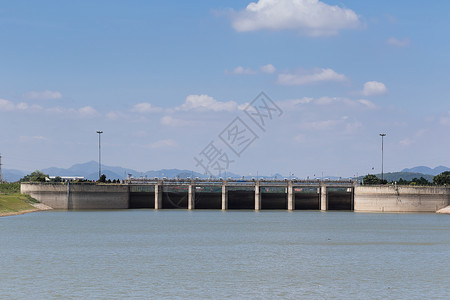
<point>374,88</point>
<point>353,127</point>
<point>206,103</point>
<point>421,132</point>
<point>43,95</point>
<point>367,103</point>
<point>145,107</point>
<point>22,106</point>
<point>175,122</point>
<point>444,120</point>
<point>239,70</point>
<point>295,104</point>
<point>344,122</point>
<point>243,106</point>
<point>332,100</point>
<point>56,110</point>
<point>320,125</point>
<point>269,69</point>
<point>317,75</point>
<point>416,138</point>
<point>169,143</point>
<point>398,42</point>
<point>406,142</point>
<point>6,105</point>
<point>391,19</point>
<point>114,115</point>
<point>25,107</point>
<point>87,111</point>
<point>299,138</point>
<point>310,17</point>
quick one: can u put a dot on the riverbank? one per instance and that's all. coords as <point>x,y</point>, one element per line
<point>445,210</point>
<point>18,204</point>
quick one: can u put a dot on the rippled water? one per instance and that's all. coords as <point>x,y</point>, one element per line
<point>233,254</point>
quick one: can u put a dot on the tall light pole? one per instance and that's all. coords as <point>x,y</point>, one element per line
<point>1,177</point>
<point>99,154</point>
<point>382,155</point>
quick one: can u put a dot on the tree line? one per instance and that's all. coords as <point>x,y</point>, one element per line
<point>38,176</point>
<point>441,179</point>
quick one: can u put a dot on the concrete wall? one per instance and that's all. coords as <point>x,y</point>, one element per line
<point>79,196</point>
<point>392,198</point>
<point>367,198</point>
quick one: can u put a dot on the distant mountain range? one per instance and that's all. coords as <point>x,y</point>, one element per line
<point>12,175</point>
<point>409,176</point>
<point>427,170</point>
<point>89,171</point>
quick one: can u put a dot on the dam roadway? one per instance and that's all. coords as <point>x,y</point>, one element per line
<point>239,194</point>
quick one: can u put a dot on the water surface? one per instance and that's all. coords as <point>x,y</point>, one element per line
<point>232,254</point>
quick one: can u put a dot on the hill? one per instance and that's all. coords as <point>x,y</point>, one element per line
<point>89,170</point>
<point>10,175</point>
<point>427,170</point>
<point>395,176</point>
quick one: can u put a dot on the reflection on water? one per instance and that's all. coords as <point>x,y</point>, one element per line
<point>233,254</point>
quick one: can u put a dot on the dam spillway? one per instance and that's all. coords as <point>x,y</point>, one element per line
<point>240,194</point>
<point>197,194</point>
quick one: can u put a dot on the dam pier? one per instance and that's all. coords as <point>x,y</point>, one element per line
<point>240,194</point>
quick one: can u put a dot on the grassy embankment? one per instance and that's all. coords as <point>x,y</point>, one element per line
<point>14,203</point>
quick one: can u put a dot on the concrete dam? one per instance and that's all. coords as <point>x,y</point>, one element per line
<point>239,194</point>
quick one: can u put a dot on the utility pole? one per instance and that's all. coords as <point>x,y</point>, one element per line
<point>382,155</point>
<point>99,155</point>
<point>1,176</point>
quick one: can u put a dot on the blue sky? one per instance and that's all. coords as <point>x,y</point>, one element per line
<point>164,79</point>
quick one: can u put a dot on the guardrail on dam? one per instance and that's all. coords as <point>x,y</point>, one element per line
<point>240,194</point>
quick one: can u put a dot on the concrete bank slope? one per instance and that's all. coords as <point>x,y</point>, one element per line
<point>392,198</point>
<point>78,196</point>
<point>445,210</point>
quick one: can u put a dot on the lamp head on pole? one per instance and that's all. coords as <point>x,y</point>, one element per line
<point>382,134</point>
<point>99,132</point>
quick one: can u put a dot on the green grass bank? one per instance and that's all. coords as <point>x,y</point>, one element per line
<point>14,203</point>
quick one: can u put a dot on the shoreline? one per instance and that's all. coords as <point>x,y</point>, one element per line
<point>37,207</point>
<point>445,210</point>
<point>17,213</point>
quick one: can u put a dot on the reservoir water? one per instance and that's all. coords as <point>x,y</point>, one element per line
<point>233,254</point>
